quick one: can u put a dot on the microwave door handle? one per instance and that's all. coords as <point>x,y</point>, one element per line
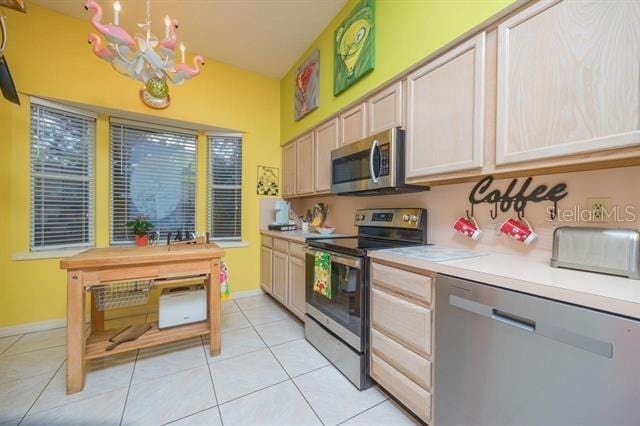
<point>374,146</point>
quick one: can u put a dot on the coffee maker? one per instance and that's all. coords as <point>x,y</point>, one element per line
<point>281,222</point>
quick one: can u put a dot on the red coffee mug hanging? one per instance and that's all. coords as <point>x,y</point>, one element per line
<point>519,229</point>
<point>468,227</point>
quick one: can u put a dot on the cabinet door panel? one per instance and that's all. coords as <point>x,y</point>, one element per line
<point>296,303</point>
<point>280,276</point>
<point>289,170</point>
<point>266,270</point>
<point>385,109</point>
<point>353,124</point>
<point>445,112</point>
<point>406,322</point>
<point>304,166</point>
<point>326,140</point>
<point>568,79</point>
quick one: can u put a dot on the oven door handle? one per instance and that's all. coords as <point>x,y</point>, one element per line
<point>343,260</point>
<point>374,146</point>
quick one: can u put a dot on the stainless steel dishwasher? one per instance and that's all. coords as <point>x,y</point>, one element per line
<point>508,358</point>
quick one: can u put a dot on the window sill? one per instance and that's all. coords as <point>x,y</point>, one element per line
<point>231,244</point>
<point>46,254</point>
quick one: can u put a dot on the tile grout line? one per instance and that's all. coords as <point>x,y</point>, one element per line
<point>213,385</point>
<point>133,372</point>
<point>284,369</point>
<point>12,343</point>
<point>30,351</point>
<point>41,392</point>
<point>362,412</point>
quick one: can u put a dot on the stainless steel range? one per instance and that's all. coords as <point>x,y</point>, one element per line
<point>337,325</point>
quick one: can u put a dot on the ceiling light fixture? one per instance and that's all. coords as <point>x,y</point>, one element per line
<point>142,57</point>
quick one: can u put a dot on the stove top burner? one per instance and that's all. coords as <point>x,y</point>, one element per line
<point>357,246</point>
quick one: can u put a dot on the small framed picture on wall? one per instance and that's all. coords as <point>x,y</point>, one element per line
<point>268,181</point>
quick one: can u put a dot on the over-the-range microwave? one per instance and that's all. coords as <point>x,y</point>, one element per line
<point>371,166</point>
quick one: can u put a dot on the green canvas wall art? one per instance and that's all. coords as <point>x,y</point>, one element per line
<point>354,46</point>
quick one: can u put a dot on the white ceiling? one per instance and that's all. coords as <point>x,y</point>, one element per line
<point>263,36</point>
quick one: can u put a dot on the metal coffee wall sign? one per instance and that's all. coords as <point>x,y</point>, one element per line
<point>515,196</point>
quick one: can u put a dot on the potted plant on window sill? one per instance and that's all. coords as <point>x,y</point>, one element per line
<point>140,227</point>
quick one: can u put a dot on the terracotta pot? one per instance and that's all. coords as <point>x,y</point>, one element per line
<point>142,240</point>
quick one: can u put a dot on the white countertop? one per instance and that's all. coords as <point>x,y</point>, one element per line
<point>298,236</point>
<point>535,276</point>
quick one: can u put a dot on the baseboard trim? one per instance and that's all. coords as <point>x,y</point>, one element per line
<point>32,327</point>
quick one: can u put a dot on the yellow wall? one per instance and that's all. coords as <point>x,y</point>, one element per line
<point>49,57</point>
<point>407,32</point>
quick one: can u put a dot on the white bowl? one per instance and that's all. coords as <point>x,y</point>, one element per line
<point>326,231</point>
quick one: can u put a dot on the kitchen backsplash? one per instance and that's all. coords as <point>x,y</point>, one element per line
<point>448,202</point>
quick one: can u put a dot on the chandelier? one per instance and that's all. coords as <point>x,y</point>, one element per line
<point>143,57</point>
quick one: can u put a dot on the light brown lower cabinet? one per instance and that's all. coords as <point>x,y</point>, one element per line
<point>280,276</point>
<point>282,273</point>
<point>266,269</point>
<point>296,302</point>
<point>401,336</point>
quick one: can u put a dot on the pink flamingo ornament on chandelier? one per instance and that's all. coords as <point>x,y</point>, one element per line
<point>184,72</point>
<point>170,41</point>
<point>98,49</point>
<point>111,32</point>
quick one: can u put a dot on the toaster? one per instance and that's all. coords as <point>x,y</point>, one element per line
<point>605,250</point>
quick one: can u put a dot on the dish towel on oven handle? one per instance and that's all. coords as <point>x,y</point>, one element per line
<point>225,288</point>
<point>322,274</point>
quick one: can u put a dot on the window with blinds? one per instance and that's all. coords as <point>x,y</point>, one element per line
<point>153,174</point>
<point>225,187</point>
<point>62,177</point>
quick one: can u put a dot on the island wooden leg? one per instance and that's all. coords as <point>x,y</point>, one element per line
<point>214,307</point>
<point>75,332</point>
<point>97,317</point>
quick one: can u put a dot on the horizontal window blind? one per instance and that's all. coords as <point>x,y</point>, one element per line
<point>62,178</point>
<point>225,187</point>
<point>153,174</point>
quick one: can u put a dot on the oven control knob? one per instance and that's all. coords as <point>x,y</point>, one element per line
<point>359,217</point>
<point>406,218</point>
<point>414,218</point>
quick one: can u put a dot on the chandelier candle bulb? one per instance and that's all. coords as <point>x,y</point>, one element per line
<point>116,13</point>
<point>167,27</point>
<point>182,50</point>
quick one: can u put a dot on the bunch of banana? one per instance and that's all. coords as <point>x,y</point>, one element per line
<point>320,211</point>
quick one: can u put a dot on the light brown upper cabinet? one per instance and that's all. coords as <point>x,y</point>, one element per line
<point>305,164</point>
<point>568,79</point>
<point>326,139</point>
<point>445,112</point>
<point>385,109</point>
<point>353,124</point>
<point>289,170</point>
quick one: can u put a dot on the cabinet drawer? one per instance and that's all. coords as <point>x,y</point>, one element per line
<point>410,394</point>
<point>407,283</point>
<point>266,241</point>
<point>408,323</point>
<point>296,250</point>
<point>404,360</point>
<point>281,245</point>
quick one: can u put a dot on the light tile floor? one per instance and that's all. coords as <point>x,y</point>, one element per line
<point>267,374</point>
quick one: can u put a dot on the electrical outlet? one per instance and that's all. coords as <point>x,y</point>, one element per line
<point>599,208</point>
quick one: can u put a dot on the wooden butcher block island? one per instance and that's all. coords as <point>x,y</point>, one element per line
<point>159,266</point>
